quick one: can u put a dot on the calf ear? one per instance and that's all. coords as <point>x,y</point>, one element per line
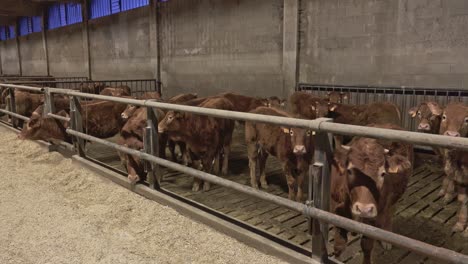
<point>435,108</point>
<point>413,111</point>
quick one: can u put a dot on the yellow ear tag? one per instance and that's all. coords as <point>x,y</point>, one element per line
<point>313,133</point>
<point>286,130</point>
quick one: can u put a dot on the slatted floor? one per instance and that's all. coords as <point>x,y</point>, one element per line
<point>420,214</point>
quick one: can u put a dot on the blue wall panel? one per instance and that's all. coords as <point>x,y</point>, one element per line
<point>74,14</point>
<point>36,24</point>
<point>53,17</point>
<point>11,32</point>
<point>131,4</point>
<point>99,8</point>
<point>24,26</point>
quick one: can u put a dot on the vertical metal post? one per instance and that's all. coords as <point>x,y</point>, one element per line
<point>48,103</point>
<point>85,33</point>
<point>18,49</point>
<point>44,40</point>
<point>152,147</point>
<point>11,92</point>
<point>319,193</point>
<point>77,124</point>
<point>155,42</point>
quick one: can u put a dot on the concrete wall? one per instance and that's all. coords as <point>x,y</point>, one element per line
<point>9,56</point>
<point>400,42</point>
<point>32,55</point>
<point>120,46</point>
<point>215,46</point>
<point>66,55</point>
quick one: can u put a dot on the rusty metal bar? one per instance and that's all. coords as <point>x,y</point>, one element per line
<point>368,230</point>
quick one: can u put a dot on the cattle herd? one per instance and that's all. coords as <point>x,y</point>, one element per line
<point>368,176</point>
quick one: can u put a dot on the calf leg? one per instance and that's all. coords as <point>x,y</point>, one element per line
<point>196,164</point>
<point>252,152</point>
<point>290,180</point>
<point>171,145</point>
<point>300,181</point>
<point>449,190</point>
<point>226,152</point>
<point>367,244</point>
<point>463,212</point>
<point>341,235</point>
<point>262,158</point>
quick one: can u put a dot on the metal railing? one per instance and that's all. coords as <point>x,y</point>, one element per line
<point>403,97</point>
<point>137,86</point>
<point>315,208</point>
<point>24,79</point>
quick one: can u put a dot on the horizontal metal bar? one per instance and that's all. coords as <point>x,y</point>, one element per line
<point>87,81</point>
<point>59,117</point>
<point>14,115</point>
<point>316,125</point>
<point>23,87</point>
<point>370,231</point>
<point>402,88</point>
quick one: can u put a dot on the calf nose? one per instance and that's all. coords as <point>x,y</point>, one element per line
<point>424,126</point>
<point>364,210</point>
<point>452,133</point>
<point>124,116</point>
<point>299,149</point>
<point>133,178</point>
<point>160,129</point>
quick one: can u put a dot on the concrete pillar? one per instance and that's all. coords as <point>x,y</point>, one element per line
<point>20,64</point>
<point>86,51</point>
<point>44,41</point>
<point>290,46</point>
<point>155,39</point>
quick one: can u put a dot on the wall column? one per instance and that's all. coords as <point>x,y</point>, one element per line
<point>20,64</point>
<point>155,38</point>
<point>44,41</point>
<point>290,46</point>
<point>87,59</point>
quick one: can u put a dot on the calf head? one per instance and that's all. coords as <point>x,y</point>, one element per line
<point>429,116</point>
<point>320,108</point>
<point>455,120</point>
<point>300,139</point>
<point>274,101</point>
<point>172,122</point>
<point>337,97</point>
<point>45,128</point>
<point>135,166</point>
<point>365,164</point>
<point>128,112</point>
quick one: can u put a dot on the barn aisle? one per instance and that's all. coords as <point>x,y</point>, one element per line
<point>55,212</point>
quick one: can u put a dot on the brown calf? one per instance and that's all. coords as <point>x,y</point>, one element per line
<point>244,103</point>
<point>455,124</point>
<point>429,115</point>
<point>25,103</point>
<point>206,137</point>
<point>338,97</point>
<point>100,119</point>
<point>131,136</point>
<point>367,178</point>
<point>307,105</point>
<point>293,147</point>
<point>117,91</point>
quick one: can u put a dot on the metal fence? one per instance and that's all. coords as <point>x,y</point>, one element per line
<point>25,79</point>
<point>318,198</point>
<point>137,86</point>
<point>403,97</point>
